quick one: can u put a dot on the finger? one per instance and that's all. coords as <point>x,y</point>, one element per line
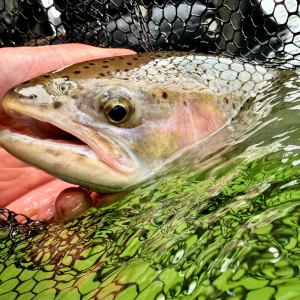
<point>70,204</point>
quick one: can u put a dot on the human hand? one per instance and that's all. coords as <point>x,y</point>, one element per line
<point>24,189</point>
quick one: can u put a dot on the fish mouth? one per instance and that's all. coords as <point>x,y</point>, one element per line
<point>43,130</point>
<point>68,150</point>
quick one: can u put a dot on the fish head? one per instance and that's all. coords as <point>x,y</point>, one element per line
<point>107,124</point>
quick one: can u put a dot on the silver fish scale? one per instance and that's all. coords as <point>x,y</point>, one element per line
<point>197,72</point>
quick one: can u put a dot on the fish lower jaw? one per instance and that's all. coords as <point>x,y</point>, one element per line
<point>53,144</point>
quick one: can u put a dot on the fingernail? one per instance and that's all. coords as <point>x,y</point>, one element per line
<point>71,203</point>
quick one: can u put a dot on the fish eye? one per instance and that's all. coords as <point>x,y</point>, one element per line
<point>118,111</point>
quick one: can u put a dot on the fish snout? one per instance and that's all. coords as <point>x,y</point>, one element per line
<point>18,98</point>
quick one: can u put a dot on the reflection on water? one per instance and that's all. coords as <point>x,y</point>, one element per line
<point>224,228</point>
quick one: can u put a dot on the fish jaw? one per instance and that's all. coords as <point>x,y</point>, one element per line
<point>73,163</point>
<point>94,161</point>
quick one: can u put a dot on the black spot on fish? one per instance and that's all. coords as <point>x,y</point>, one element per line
<point>226,100</point>
<point>50,151</point>
<point>164,95</point>
<point>57,104</point>
<point>26,82</point>
<point>77,72</point>
<point>117,70</point>
<point>126,70</point>
<point>46,76</point>
<point>91,64</point>
<point>121,57</point>
<point>233,105</point>
<point>102,74</point>
<point>105,66</point>
<point>129,63</point>
<point>184,103</point>
<point>32,97</point>
<point>135,58</point>
<point>86,67</point>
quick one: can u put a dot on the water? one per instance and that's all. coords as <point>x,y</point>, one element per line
<point>225,228</point>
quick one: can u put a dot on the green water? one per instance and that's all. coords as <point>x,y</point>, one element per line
<point>225,228</point>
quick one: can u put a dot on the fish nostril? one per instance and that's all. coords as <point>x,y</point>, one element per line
<point>32,97</point>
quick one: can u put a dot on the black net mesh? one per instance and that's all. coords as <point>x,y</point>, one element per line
<point>259,30</point>
<point>15,224</point>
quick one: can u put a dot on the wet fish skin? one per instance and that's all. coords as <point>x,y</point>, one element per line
<point>175,100</point>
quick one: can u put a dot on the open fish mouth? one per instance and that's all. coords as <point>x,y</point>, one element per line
<point>41,130</point>
<point>71,151</point>
<point>45,132</point>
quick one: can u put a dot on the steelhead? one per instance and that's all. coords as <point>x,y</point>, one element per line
<point>108,124</point>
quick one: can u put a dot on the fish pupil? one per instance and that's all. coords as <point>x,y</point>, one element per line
<point>117,113</point>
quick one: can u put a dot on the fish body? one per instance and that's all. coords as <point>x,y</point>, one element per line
<point>108,124</point>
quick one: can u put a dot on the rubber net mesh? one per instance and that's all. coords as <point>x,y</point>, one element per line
<point>261,31</point>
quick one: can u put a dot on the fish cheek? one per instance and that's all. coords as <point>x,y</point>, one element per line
<point>155,141</point>
<point>157,147</point>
